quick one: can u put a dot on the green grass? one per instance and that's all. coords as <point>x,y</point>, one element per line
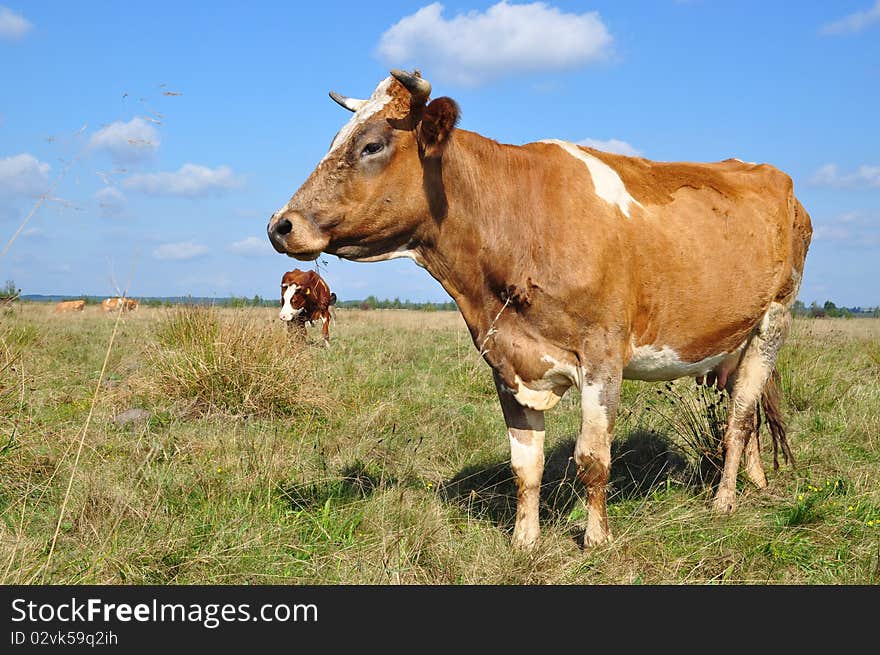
<point>384,460</point>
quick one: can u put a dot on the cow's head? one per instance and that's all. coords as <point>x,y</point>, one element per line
<point>296,289</point>
<point>367,197</point>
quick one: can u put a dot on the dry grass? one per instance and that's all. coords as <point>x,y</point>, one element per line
<point>405,477</point>
<point>234,364</point>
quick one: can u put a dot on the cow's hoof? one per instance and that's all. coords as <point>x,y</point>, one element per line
<point>757,476</point>
<point>725,502</point>
<point>759,480</point>
<point>599,537</point>
<point>525,539</point>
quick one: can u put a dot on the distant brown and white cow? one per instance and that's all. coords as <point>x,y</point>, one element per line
<point>113,304</point>
<point>572,267</point>
<point>305,298</point>
<point>70,306</point>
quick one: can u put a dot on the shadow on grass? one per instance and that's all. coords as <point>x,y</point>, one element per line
<point>641,462</point>
<point>355,482</point>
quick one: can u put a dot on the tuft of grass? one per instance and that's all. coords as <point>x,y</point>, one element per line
<point>234,365</point>
<point>696,418</point>
<point>873,350</point>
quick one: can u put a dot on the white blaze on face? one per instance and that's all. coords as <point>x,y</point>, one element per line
<point>381,97</point>
<point>606,182</point>
<point>288,312</point>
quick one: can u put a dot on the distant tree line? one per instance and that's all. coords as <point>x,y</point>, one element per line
<point>10,292</point>
<point>370,302</point>
<point>830,310</point>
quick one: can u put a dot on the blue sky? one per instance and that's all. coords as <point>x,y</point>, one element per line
<point>183,128</point>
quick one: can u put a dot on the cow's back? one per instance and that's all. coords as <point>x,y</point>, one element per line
<point>693,255</point>
<point>710,256</point>
<point>70,306</point>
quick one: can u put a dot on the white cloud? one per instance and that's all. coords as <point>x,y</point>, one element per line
<point>474,47</point>
<point>189,180</point>
<point>111,201</point>
<point>252,246</point>
<point>830,175</point>
<point>23,174</point>
<point>855,229</point>
<point>33,233</point>
<point>612,145</point>
<point>13,26</point>
<point>855,22</point>
<point>127,142</point>
<point>180,250</point>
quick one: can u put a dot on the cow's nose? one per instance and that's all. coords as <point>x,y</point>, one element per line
<point>277,233</point>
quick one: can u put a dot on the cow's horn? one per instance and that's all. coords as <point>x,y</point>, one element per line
<point>351,104</point>
<point>418,87</point>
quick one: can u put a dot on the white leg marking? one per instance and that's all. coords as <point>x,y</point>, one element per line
<point>592,454</point>
<point>606,182</point>
<point>593,415</point>
<point>527,463</point>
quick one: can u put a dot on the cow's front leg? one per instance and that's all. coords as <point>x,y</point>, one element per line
<point>525,428</point>
<point>592,452</point>
<point>325,328</point>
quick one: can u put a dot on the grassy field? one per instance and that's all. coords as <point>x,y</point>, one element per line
<point>384,460</point>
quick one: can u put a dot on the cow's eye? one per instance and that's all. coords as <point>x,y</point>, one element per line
<point>372,148</point>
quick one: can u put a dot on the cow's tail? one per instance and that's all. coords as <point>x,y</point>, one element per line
<point>332,299</point>
<point>772,411</point>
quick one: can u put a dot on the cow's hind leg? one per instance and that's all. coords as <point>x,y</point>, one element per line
<point>753,373</point>
<point>753,465</point>
<point>592,452</point>
<point>525,428</point>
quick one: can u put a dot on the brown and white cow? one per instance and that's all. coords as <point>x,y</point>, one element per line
<point>113,304</point>
<point>67,306</point>
<point>306,298</point>
<point>572,267</point>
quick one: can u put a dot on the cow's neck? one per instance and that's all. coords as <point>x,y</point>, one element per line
<point>479,243</point>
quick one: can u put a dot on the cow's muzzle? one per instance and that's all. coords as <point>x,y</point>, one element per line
<point>293,234</point>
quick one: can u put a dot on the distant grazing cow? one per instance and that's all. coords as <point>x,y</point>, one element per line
<point>70,306</point>
<point>305,298</point>
<point>112,304</point>
<point>572,267</point>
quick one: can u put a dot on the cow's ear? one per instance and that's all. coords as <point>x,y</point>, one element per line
<point>438,121</point>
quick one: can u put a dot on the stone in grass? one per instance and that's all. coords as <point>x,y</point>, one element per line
<point>133,416</point>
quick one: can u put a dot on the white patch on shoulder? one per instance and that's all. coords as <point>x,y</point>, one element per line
<point>606,181</point>
<point>543,394</point>
<point>287,312</point>
<point>381,97</point>
<point>653,364</point>
<point>540,399</point>
<point>560,373</point>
